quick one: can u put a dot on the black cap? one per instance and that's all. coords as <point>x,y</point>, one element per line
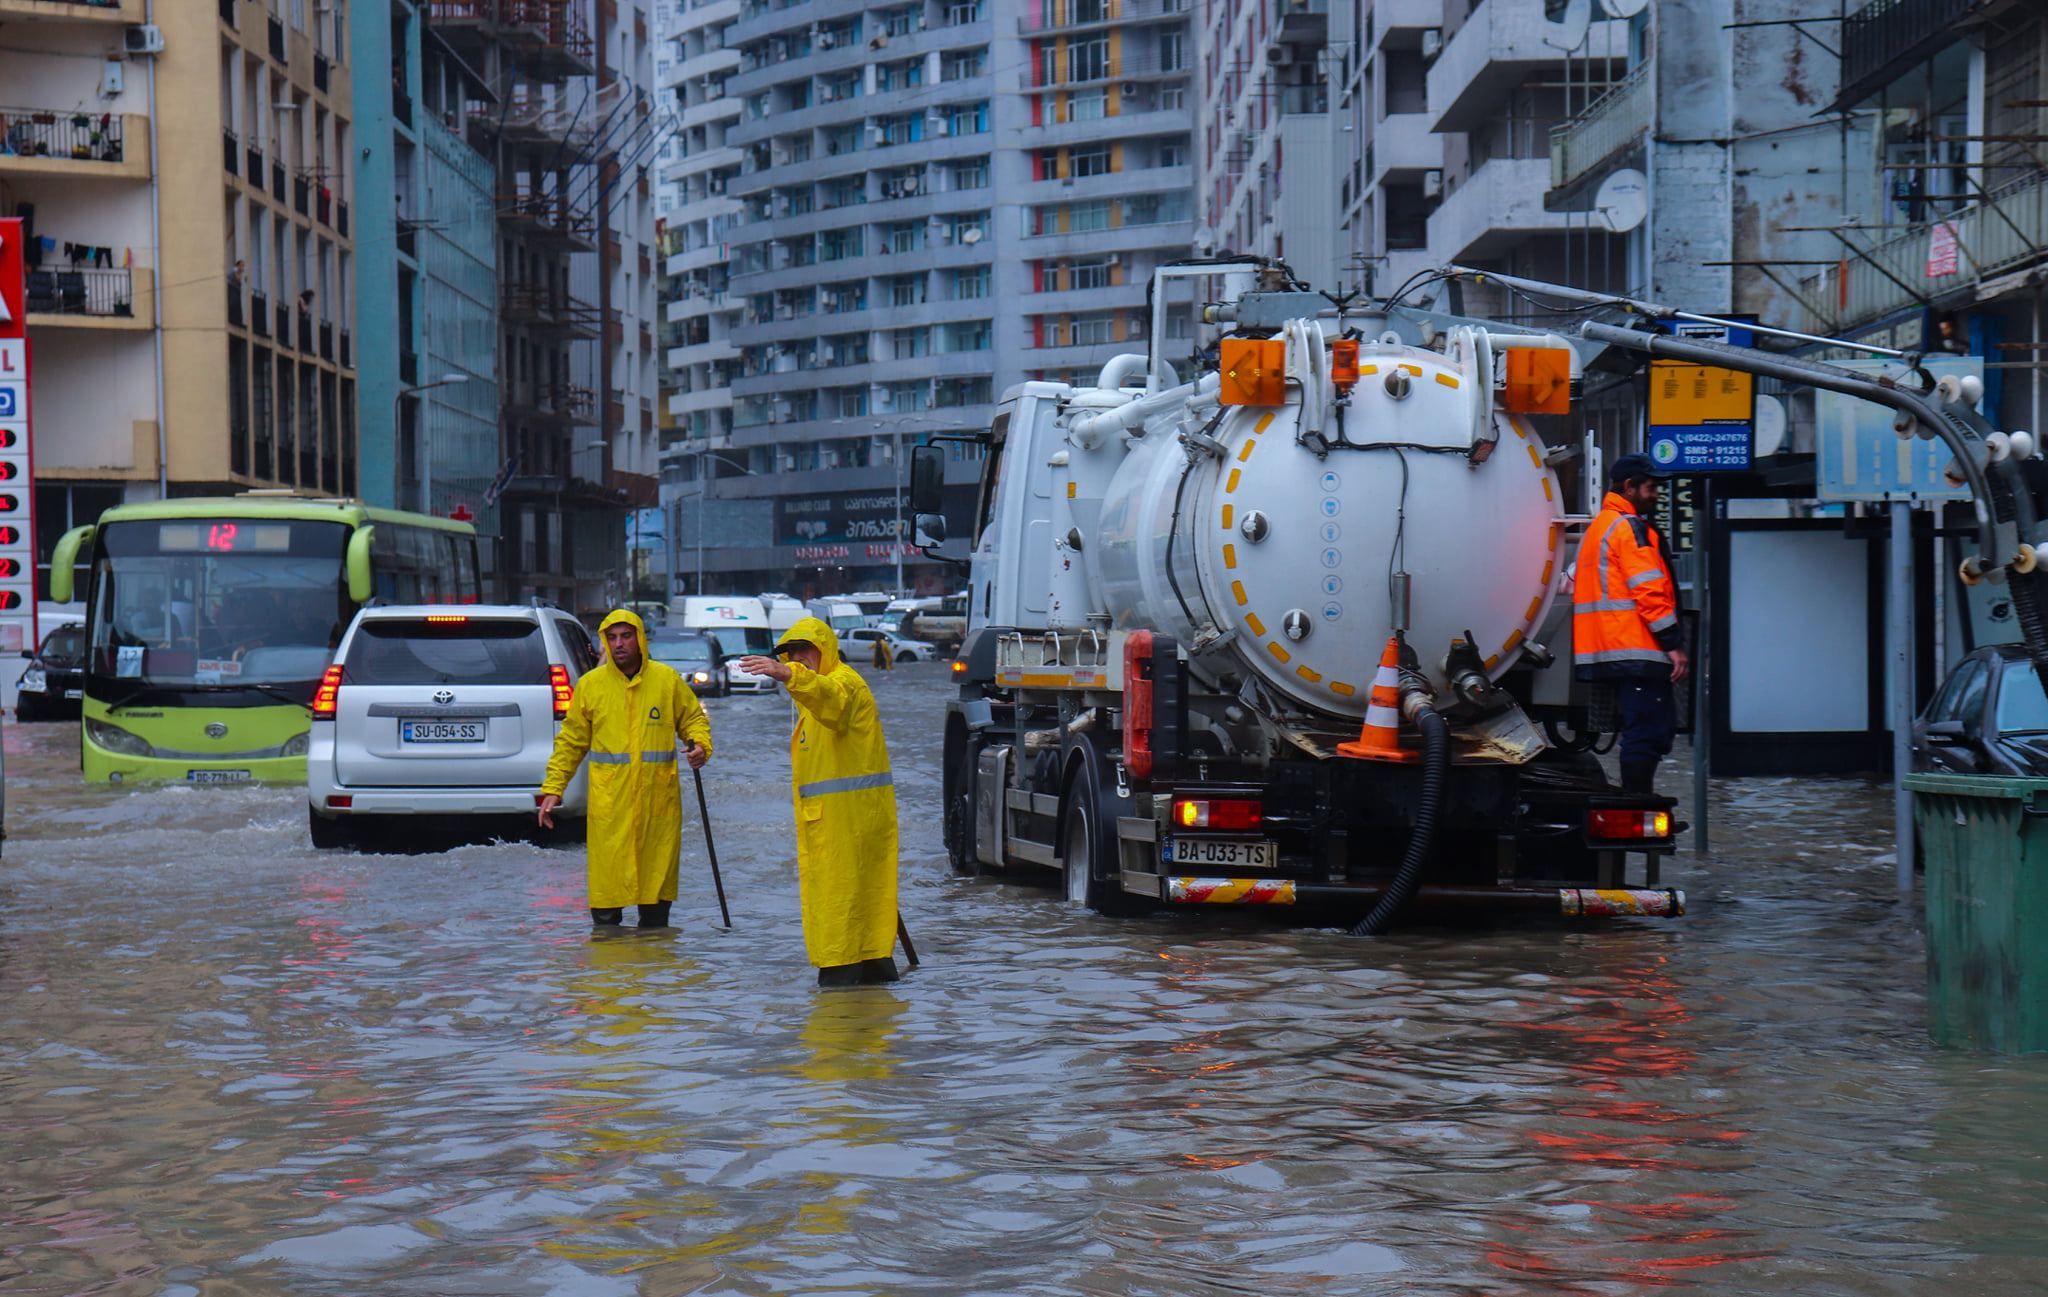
<point>1629,468</point>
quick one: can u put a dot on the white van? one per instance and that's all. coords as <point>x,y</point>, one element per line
<point>783,613</point>
<point>841,615</point>
<point>739,625</point>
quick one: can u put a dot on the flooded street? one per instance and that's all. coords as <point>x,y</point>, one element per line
<point>234,1065</point>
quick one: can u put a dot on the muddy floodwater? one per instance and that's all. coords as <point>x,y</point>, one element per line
<point>230,1064</point>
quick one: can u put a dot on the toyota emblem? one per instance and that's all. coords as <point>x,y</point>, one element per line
<point>443,697</point>
<point>216,730</point>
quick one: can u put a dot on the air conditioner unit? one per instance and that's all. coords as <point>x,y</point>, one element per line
<point>831,301</point>
<point>1432,184</point>
<point>1115,259</point>
<point>148,38</point>
<point>1279,55</point>
<point>716,184</point>
<point>1432,42</point>
<point>877,134</point>
<point>1129,88</point>
<point>942,127</point>
<point>945,234</point>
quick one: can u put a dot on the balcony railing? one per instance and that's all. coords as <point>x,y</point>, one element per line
<point>320,73</point>
<point>230,152</point>
<point>228,12</point>
<point>253,173</point>
<point>2008,231</point>
<point>401,105</point>
<point>1610,123</point>
<point>50,133</point>
<point>277,39</point>
<point>277,180</point>
<point>341,218</point>
<point>101,292</point>
<point>259,315</point>
<point>1885,35</point>
<point>237,312</point>
<point>1047,16</point>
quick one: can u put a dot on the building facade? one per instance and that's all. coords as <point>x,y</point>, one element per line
<point>191,288</point>
<point>935,200</point>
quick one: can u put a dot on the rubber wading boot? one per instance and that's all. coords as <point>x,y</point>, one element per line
<point>868,972</point>
<point>611,918</point>
<point>654,914</point>
<point>1639,776</point>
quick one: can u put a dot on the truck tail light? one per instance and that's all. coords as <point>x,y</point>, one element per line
<point>959,666</point>
<point>558,680</point>
<point>1229,814</point>
<point>1628,826</point>
<point>328,696</point>
<point>1138,704</point>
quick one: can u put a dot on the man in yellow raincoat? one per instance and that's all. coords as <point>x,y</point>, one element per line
<point>845,808</point>
<point>626,716</point>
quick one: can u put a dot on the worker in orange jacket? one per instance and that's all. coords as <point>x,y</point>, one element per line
<point>1625,619</point>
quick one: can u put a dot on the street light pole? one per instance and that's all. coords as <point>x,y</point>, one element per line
<point>897,534</point>
<point>424,467</point>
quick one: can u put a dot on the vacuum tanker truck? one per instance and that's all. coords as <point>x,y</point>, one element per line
<point>1288,633</point>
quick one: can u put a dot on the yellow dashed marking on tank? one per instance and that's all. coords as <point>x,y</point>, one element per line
<point>1230,556</point>
<point>1413,369</point>
<point>1229,512</point>
<point>1230,483</point>
<point>1265,422</point>
<point>1549,570</point>
<point>1493,662</point>
<point>1534,605</point>
<point>1514,639</point>
<point>1367,371</point>
<point>1547,493</point>
<point>1237,593</point>
<point>1448,380</point>
<point>1252,622</point>
<point>1070,490</point>
<point>1534,458</point>
<point>1341,689</point>
<point>1313,677</point>
<point>1249,445</point>
<point>1273,647</point>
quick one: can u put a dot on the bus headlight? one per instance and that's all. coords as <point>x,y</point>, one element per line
<point>115,739</point>
<point>296,745</point>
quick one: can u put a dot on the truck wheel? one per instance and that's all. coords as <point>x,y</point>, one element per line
<point>1090,869</point>
<point>328,833</point>
<point>959,821</point>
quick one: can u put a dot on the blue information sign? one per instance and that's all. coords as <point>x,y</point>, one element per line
<point>1862,458</point>
<point>1702,417</point>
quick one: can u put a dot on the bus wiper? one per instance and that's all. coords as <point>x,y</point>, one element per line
<point>130,696</point>
<point>274,691</point>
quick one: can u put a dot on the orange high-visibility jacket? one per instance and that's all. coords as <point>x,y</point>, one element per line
<point>1624,602</point>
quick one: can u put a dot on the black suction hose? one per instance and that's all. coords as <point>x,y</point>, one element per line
<point>1436,765</point>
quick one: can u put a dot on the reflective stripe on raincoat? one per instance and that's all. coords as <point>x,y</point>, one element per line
<point>1624,602</point>
<point>628,730</point>
<point>845,807</point>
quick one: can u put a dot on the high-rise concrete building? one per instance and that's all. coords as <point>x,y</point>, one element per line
<point>191,286</point>
<point>566,137</point>
<point>937,199</point>
<point>428,271</point>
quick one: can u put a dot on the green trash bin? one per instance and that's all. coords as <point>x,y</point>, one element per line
<point>1984,841</point>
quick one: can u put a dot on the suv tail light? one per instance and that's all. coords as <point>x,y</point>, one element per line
<point>1628,826</point>
<point>558,679</point>
<point>1229,814</point>
<point>328,695</point>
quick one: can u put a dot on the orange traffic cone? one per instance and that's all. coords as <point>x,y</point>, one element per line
<point>1380,737</point>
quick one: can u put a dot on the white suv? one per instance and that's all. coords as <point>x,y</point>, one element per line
<point>442,709</point>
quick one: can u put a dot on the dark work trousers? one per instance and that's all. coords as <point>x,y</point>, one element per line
<point>1649,720</point>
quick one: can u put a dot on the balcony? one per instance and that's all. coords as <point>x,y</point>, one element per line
<point>81,298</point>
<point>230,153</point>
<point>1502,44</point>
<point>1403,147</point>
<point>277,180</point>
<point>1893,274</point>
<point>551,40</point>
<point>1048,17</point>
<point>543,311</point>
<point>259,315</point>
<point>230,12</point>
<point>401,105</point>
<point>1886,37</point>
<point>1611,123</point>
<point>320,73</point>
<point>1495,208</point>
<point>548,216</point>
<point>277,51</point>
<point>55,142</point>
<point>107,12</point>
<point>253,172</point>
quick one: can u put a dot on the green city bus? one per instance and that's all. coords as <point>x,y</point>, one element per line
<point>210,620</point>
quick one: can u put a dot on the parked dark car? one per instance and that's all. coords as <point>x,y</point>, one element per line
<point>1989,718</point>
<point>54,681</point>
<point>695,655</point>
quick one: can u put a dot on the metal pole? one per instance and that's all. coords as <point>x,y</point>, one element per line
<point>898,536</point>
<point>1899,598</point>
<point>1702,686</point>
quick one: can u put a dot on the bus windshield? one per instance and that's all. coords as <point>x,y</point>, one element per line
<point>218,602</point>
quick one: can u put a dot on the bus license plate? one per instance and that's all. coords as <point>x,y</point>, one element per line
<point>1235,854</point>
<point>441,731</point>
<point>216,776</point>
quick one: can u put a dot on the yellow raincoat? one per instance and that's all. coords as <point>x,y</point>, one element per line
<point>845,808</point>
<point>628,729</point>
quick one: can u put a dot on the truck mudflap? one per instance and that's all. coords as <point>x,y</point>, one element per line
<point>1569,902</point>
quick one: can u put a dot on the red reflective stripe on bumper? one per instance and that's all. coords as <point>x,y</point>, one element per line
<point>1231,891</point>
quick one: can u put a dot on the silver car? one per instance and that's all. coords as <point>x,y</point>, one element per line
<point>440,710</point>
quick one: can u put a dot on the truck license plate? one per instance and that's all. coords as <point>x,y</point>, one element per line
<point>1236,853</point>
<point>441,731</point>
<point>216,776</point>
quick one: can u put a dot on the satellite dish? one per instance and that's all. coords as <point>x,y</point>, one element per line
<point>972,234</point>
<point>1567,24</point>
<point>1623,200</point>
<point>1770,426</point>
<point>1623,8</point>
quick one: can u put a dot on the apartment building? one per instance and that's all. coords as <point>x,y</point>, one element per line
<point>190,293</point>
<point>937,199</point>
<point>429,376</point>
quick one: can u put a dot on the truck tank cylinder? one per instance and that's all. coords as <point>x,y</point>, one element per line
<point>1300,552</point>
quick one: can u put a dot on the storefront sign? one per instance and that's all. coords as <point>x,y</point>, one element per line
<point>844,516</point>
<point>1944,253</point>
<point>822,553</point>
<point>17,460</point>
<point>1676,516</point>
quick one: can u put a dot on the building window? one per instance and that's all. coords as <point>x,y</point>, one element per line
<point>1088,105</point>
<point>966,285</point>
<point>960,225</point>
<point>971,174</point>
<point>967,119</point>
<point>1084,218</point>
<point>906,290</point>
<point>966,335</point>
<point>1092,330</point>
<point>908,344</point>
<point>1088,60</point>
<point>1094,161</point>
<point>1092,274</point>
<point>960,65</point>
